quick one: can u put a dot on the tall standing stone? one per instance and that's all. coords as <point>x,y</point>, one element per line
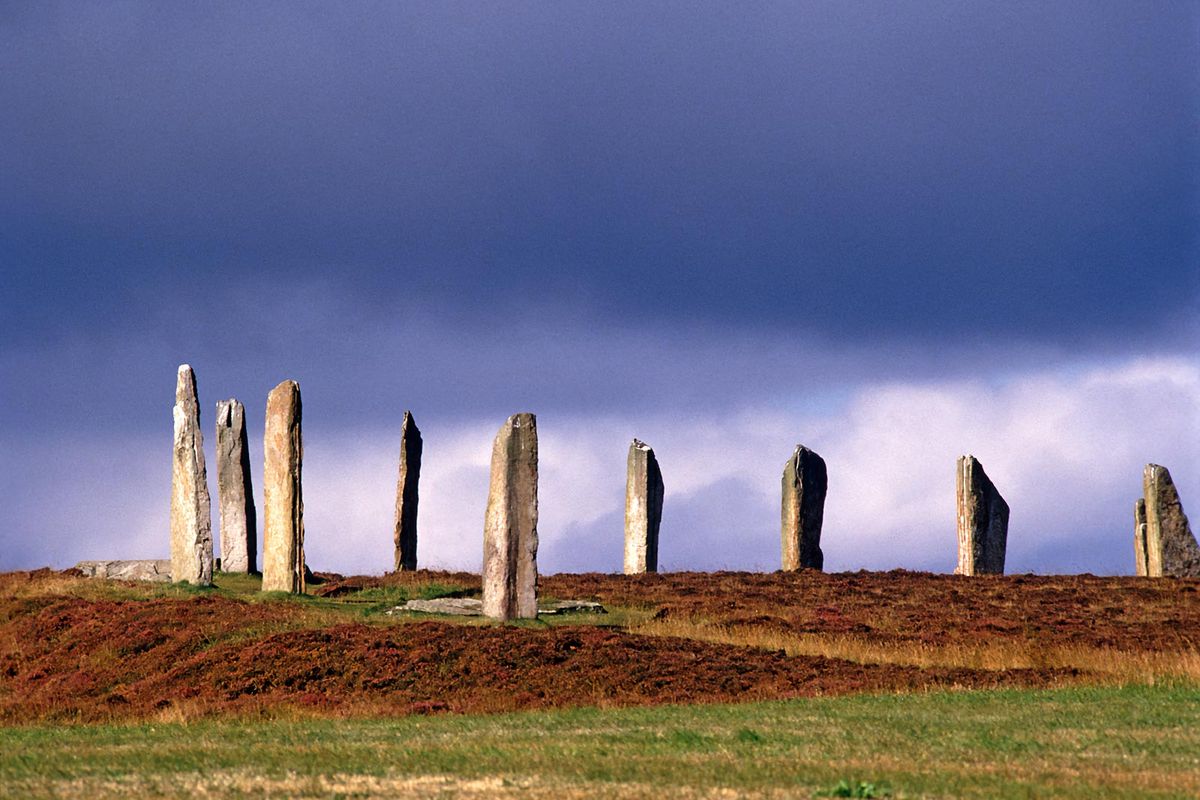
<point>405,526</point>
<point>1171,548</point>
<point>235,497</point>
<point>283,504</point>
<point>191,509</point>
<point>1140,555</point>
<point>982,521</point>
<point>805,482</point>
<point>510,526</point>
<point>643,508</point>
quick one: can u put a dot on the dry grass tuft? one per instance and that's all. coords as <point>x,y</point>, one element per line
<point>1109,664</point>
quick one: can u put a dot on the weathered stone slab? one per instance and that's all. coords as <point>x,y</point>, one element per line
<point>510,538</point>
<point>191,511</point>
<point>283,502</point>
<point>407,495</point>
<point>1140,556</point>
<point>154,570</point>
<point>982,521</point>
<point>805,482</point>
<point>1171,548</point>
<point>643,508</point>
<point>235,497</point>
<point>472,607</point>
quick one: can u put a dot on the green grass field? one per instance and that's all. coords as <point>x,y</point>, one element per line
<point>1068,743</point>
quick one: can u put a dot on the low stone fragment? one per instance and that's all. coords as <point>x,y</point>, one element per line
<point>510,539</point>
<point>982,521</point>
<point>235,496</point>
<point>283,502</point>
<point>643,508</point>
<point>472,607</point>
<point>1171,548</point>
<point>805,482</point>
<point>407,495</point>
<point>191,511</point>
<point>148,569</point>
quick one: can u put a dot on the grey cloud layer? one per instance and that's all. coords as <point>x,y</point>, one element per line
<point>855,170</point>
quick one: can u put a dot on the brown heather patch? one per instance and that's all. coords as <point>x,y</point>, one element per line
<point>1069,611</point>
<point>78,649</point>
<point>178,660</point>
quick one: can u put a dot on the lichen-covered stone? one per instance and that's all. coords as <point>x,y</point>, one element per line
<point>510,539</point>
<point>235,496</point>
<point>407,495</point>
<point>805,483</point>
<point>1171,548</point>
<point>283,502</point>
<point>643,508</point>
<point>982,521</point>
<point>191,511</point>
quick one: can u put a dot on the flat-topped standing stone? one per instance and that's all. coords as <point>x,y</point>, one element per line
<point>405,526</point>
<point>982,521</point>
<point>235,497</point>
<point>1139,538</point>
<point>510,526</point>
<point>1171,548</point>
<point>805,482</point>
<point>643,509</point>
<point>191,511</point>
<point>283,504</point>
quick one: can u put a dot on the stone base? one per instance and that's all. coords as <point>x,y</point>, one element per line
<point>155,570</point>
<point>473,607</point>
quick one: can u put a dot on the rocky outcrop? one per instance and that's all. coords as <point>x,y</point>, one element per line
<point>191,512</point>
<point>407,496</point>
<point>982,521</point>
<point>643,508</point>
<point>805,482</point>
<point>510,539</point>
<point>1171,548</point>
<point>235,497</point>
<point>283,503</point>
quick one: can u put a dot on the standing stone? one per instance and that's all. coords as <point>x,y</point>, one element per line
<point>1140,565</point>
<point>643,509</point>
<point>510,526</point>
<point>805,482</point>
<point>191,511</point>
<point>235,497</point>
<point>982,521</point>
<point>405,526</point>
<point>1171,548</point>
<point>283,504</point>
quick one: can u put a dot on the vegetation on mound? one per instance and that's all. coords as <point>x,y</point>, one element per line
<point>1068,743</point>
<point>75,649</point>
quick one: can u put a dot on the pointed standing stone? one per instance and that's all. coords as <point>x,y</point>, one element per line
<point>510,525</point>
<point>1139,538</point>
<point>235,497</point>
<point>191,512</point>
<point>405,526</point>
<point>805,482</point>
<point>982,521</point>
<point>643,509</point>
<point>1171,548</point>
<point>283,504</point>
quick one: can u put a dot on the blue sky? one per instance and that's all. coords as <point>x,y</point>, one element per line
<point>896,234</point>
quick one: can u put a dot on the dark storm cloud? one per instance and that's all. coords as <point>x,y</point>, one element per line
<point>864,171</point>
